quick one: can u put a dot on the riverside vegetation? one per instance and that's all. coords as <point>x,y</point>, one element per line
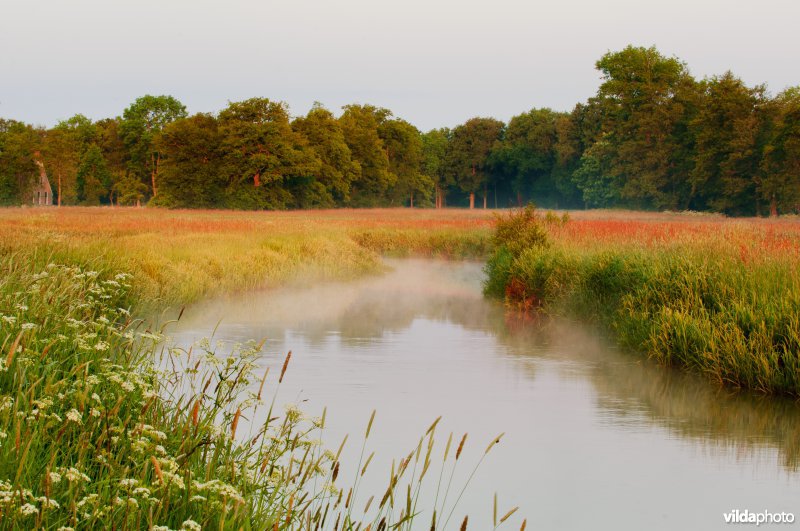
<point>718,297</point>
<point>102,426</point>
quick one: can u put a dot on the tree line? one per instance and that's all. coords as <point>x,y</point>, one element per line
<point>653,137</point>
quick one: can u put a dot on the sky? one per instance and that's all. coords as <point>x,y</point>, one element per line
<point>435,63</point>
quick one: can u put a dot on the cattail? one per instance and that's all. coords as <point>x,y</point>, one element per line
<point>461,446</point>
<point>13,350</point>
<point>495,441</point>
<point>335,472</point>
<point>369,502</point>
<point>285,365</point>
<point>433,426</point>
<point>196,412</point>
<point>508,514</point>
<point>464,523</point>
<point>289,512</point>
<point>347,501</point>
<point>363,470</point>
<point>157,468</point>
<point>261,387</point>
<point>524,525</point>
<point>369,424</point>
<point>235,422</point>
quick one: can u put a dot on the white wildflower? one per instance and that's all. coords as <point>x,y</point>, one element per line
<point>6,402</point>
<point>190,525</point>
<point>73,415</point>
<point>28,509</point>
<point>94,412</point>
<point>128,386</point>
<point>55,477</point>
<point>48,503</point>
<point>75,475</point>
<point>101,346</point>
<point>141,491</point>
<point>28,326</point>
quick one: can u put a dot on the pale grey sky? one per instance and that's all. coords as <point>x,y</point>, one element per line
<point>433,62</point>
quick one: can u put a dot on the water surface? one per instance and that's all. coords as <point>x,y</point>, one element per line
<point>595,438</point>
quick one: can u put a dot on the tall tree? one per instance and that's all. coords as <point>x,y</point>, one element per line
<point>263,155</point>
<point>527,154</point>
<point>324,136</point>
<point>191,176</point>
<point>109,140</point>
<point>728,145</point>
<point>61,154</point>
<point>360,125</point>
<point>94,177</point>
<point>642,115</point>
<point>780,181</point>
<point>403,145</point>
<point>141,123</point>
<point>468,155</point>
<point>18,171</point>
<point>434,163</point>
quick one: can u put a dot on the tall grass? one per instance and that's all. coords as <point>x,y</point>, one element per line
<point>722,300</point>
<point>102,426</point>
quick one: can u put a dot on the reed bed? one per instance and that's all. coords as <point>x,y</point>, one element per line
<point>718,297</point>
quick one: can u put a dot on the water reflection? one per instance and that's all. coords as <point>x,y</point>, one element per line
<point>594,435</point>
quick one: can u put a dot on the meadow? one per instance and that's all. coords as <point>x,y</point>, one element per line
<point>102,426</point>
<point>719,297</point>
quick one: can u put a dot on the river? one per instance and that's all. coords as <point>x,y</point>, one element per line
<point>594,438</point>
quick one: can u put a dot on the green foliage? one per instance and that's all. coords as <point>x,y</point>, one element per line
<point>520,230</point>
<point>18,171</point>
<point>734,322</point>
<point>141,124</point>
<point>515,233</point>
<point>599,189</point>
<point>360,125</point>
<point>469,150</point>
<point>331,184</point>
<point>191,173</point>
<point>651,138</point>
<point>94,177</point>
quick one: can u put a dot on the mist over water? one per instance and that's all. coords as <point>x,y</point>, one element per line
<point>594,438</point>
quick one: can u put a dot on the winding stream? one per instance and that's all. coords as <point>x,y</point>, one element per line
<point>595,439</point>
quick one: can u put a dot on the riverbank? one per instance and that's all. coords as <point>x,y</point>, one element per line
<point>718,297</point>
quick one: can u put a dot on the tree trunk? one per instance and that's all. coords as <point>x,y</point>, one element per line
<point>154,172</point>
<point>412,200</point>
<point>257,180</point>
<point>59,189</point>
<point>471,200</point>
<point>773,207</point>
<point>484,198</point>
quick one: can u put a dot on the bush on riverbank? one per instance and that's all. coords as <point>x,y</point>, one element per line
<point>694,299</point>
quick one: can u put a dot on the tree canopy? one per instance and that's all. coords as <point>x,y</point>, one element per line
<point>652,137</point>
